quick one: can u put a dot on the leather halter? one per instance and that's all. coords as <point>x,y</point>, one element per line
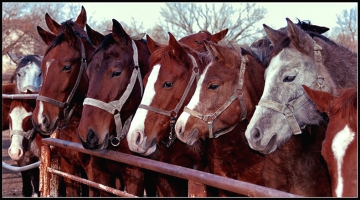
<point>289,108</point>
<point>66,105</point>
<point>173,113</point>
<point>238,93</point>
<point>114,107</point>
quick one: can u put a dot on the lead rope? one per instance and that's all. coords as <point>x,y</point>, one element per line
<point>238,93</point>
<point>114,107</point>
<point>173,113</point>
<point>289,108</point>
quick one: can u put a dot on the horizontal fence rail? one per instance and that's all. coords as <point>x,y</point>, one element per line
<point>20,169</point>
<point>240,187</point>
<point>20,96</point>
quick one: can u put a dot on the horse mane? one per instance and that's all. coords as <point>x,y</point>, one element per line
<point>24,61</point>
<point>163,53</point>
<point>61,37</point>
<point>345,105</point>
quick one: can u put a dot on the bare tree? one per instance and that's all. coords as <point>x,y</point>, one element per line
<point>185,18</point>
<point>20,21</point>
<point>346,33</point>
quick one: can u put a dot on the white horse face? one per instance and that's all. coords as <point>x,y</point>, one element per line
<point>287,72</point>
<point>29,78</point>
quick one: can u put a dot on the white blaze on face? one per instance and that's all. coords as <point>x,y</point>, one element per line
<point>339,145</point>
<point>194,101</point>
<point>40,113</point>
<point>138,122</point>
<point>48,63</point>
<point>17,116</point>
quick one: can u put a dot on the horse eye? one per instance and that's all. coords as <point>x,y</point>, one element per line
<point>198,42</point>
<point>115,74</point>
<point>213,86</point>
<point>40,74</point>
<point>167,85</point>
<point>18,74</point>
<point>66,68</point>
<point>289,78</point>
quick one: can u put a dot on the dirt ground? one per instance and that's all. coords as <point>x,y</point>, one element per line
<point>11,181</point>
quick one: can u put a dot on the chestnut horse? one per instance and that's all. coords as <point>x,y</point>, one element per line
<point>59,104</point>
<point>170,65</point>
<point>339,148</point>
<point>216,102</point>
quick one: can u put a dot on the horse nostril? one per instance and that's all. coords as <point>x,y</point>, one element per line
<point>91,138</point>
<point>138,138</point>
<point>256,134</point>
<point>178,129</point>
<point>44,120</point>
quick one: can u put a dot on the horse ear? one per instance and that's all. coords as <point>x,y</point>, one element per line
<point>218,36</point>
<point>299,38</point>
<point>16,59</point>
<point>70,36</point>
<point>52,24</point>
<point>47,37</point>
<point>82,18</point>
<point>211,47</point>
<point>176,49</point>
<point>152,45</point>
<point>95,37</point>
<point>119,33</point>
<point>321,99</point>
<point>273,34</point>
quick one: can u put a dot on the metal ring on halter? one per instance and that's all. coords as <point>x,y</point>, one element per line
<point>115,144</point>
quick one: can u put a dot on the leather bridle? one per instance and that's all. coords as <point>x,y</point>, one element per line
<point>68,111</point>
<point>174,113</point>
<point>114,107</point>
<point>288,109</point>
<point>238,94</point>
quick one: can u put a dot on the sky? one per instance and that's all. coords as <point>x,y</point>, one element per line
<point>323,14</point>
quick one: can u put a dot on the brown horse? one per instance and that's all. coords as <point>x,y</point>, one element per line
<point>215,101</point>
<point>196,40</point>
<point>115,74</point>
<point>233,90</point>
<point>60,99</point>
<point>25,143</point>
<point>340,145</point>
<point>170,65</point>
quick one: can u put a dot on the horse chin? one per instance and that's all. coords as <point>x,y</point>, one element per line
<point>150,150</point>
<point>192,137</point>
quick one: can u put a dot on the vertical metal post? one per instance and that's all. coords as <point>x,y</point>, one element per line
<point>44,174</point>
<point>54,179</point>
<point>196,189</point>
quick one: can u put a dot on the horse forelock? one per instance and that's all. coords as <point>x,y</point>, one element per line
<point>345,105</point>
<point>29,59</point>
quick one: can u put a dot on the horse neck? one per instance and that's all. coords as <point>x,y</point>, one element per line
<point>335,57</point>
<point>144,55</point>
<point>254,84</point>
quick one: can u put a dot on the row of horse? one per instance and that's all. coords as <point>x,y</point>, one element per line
<point>274,113</point>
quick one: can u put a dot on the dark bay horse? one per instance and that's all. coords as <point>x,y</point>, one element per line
<point>339,148</point>
<point>216,102</point>
<point>115,74</point>
<point>59,104</point>
<point>297,58</point>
